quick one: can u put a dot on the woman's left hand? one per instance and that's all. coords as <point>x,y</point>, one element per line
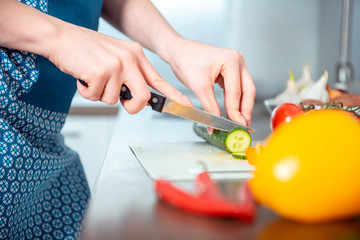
<point>199,66</point>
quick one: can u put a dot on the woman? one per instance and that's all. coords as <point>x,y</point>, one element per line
<point>45,46</point>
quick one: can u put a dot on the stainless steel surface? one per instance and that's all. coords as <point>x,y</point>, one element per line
<point>205,168</point>
<point>124,205</point>
<point>202,117</point>
<point>345,71</point>
<point>345,30</point>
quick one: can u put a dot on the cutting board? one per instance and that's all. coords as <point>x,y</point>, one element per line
<point>184,160</point>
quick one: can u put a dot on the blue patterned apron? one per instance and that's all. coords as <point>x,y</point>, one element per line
<point>43,189</point>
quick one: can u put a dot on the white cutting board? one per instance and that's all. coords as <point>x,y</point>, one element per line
<point>180,161</point>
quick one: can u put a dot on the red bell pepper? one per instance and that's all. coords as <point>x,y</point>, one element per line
<point>207,200</point>
<point>206,188</point>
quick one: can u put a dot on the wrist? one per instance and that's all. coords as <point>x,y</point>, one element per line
<point>49,37</point>
<point>166,48</point>
<point>27,29</point>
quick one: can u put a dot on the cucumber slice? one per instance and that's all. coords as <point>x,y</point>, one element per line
<point>237,140</point>
<point>239,155</point>
<point>234,141</point>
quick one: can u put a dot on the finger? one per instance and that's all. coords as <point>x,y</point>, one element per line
<point>155,81</point>
<point>220,81</point>
<point>92,91</point>
<point>232,93</point>
<point>208,100</point>
<point>241,118</point>
<point>139,91</point>
<point>81,86</point>
<point>94,85</point>
<point>111,91</point>
<point>248,96</point>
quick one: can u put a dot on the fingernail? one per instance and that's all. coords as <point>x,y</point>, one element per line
<point>243,120</point>
<point>187,101</point>
<point>210,130</point>
<point>249,123</point>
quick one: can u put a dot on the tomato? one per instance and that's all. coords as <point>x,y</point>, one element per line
<point>309,168</point>
<point>284,113</point>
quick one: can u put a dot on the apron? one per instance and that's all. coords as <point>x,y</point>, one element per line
<point>43,188</point>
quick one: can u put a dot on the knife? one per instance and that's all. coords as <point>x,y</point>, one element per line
<point>162,104</point>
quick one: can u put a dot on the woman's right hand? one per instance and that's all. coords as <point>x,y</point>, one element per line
<point>106,63</point>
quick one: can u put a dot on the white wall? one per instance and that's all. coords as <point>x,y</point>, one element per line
<point>275,35</point>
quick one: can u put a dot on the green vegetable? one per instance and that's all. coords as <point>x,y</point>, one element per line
<point>338,106</point>
<point>240,155</point>
<point>235,141</point>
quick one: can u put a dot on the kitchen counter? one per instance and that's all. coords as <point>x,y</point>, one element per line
<point>124,205</point>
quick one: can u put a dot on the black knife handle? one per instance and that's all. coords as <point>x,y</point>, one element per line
<point>156,101</point>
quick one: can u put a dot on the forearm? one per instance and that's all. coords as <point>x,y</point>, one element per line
<point>27,29</point>
<point>142,22</point>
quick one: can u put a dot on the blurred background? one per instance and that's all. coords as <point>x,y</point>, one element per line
<point>274,36</point>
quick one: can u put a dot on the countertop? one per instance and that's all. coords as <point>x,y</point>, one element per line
<point>82,107</point>
<point>124,205</point>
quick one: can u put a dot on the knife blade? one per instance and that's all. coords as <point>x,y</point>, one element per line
<point>162,104</point>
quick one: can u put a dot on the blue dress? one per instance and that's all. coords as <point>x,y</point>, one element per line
<point>43,189</point>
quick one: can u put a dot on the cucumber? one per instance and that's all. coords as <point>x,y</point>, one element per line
<point>239,155</point>
<point>235,141</point>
